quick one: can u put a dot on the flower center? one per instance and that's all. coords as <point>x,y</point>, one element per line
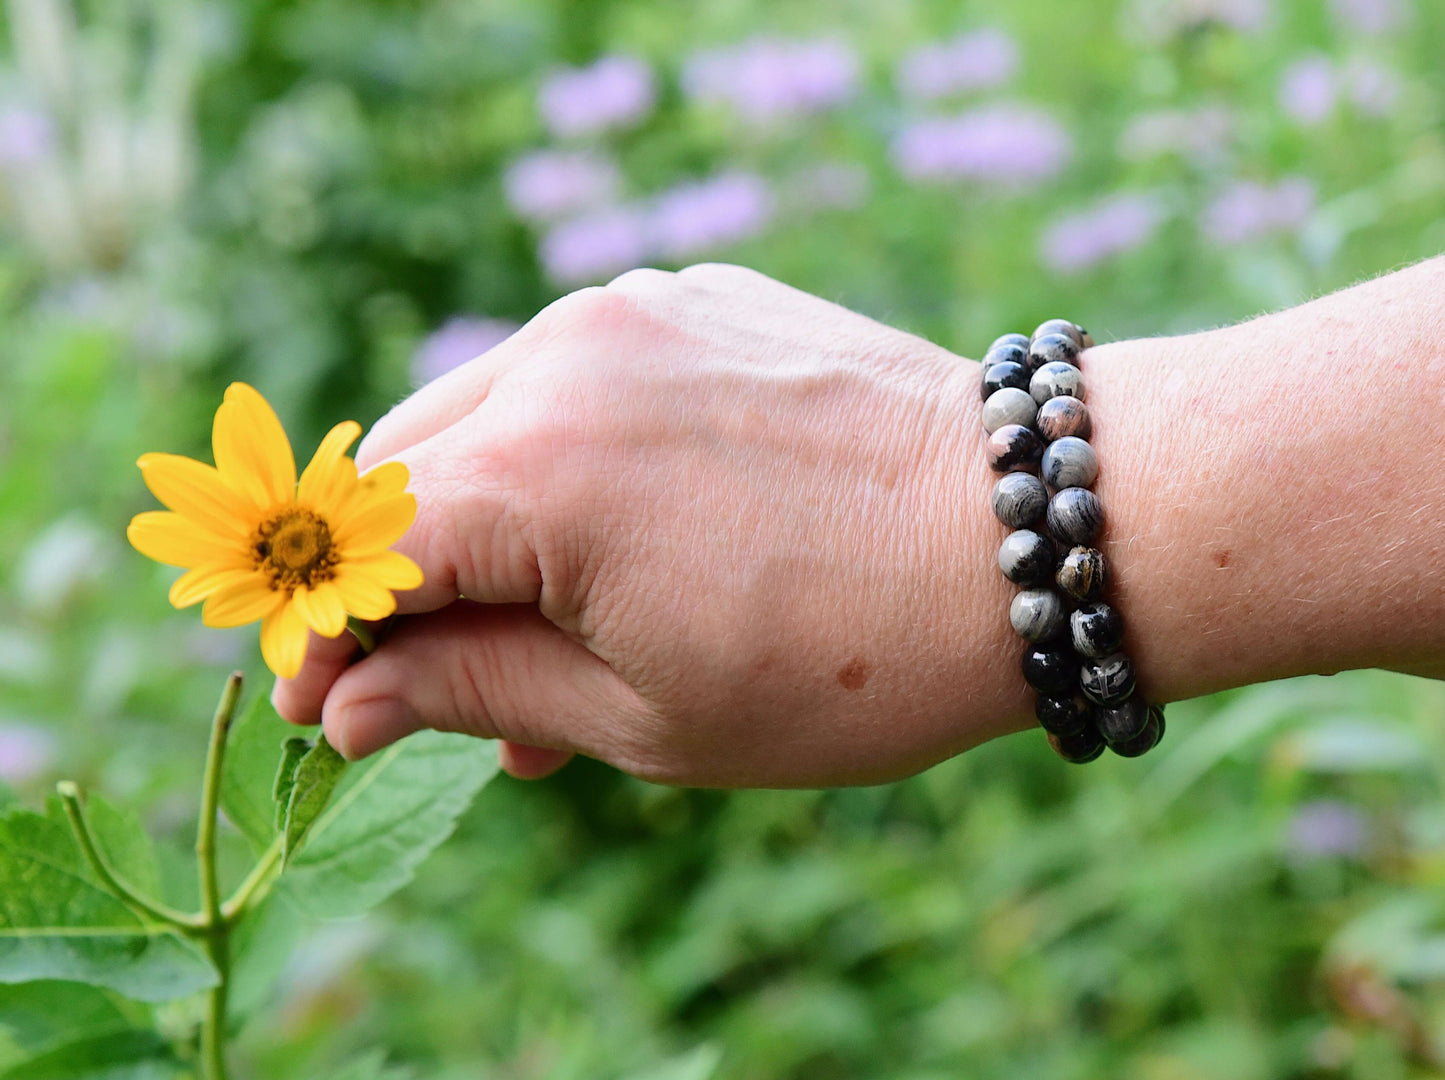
<point>294,548</point>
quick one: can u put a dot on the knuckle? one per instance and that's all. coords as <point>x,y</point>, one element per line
<point>643,279</point>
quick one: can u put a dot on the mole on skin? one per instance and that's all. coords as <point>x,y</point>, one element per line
<point>854,674</point>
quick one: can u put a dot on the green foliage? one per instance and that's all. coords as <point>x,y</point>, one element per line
<point>312,779</point>
<point>252,786</point>
<point>121,1055</point>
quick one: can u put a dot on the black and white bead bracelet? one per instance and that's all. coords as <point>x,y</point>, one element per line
<point>1038,429</point>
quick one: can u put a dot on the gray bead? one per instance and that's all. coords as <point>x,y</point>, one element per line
<point>1107,681</point>
<point>1063,416</point>
<point>1081,575</point>
<point>1068,463</point>
<point>1123,723</point>
<point>1147,739</point>
<point>1019,499</point>
<point>1053,348</point>
<point>1027,558</point>
<point>1018,340</point>
<point>1096,629</point>
<point>1060,326</point>
<point>1075,516</point>
<point>1056,379</point>
<point>1037,614</point>
<point>1008,406</point>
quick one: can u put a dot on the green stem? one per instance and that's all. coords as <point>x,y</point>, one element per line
<point>217,929</point>
<point>257,884</point>
<point>365,636</point>
<point>213,1029</point>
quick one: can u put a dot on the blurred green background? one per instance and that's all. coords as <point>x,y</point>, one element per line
<point>337,199</point>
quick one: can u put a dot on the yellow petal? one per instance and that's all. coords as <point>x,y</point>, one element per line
<point>252,452</point>
<point>364,597</point>
<point>284,635</point>
<point>324,479</point>
<point>382,482</point>
<point>389,569</point>
<point>388,479</point>
<point>197,491</point>
<point>178,541</point>
<point>195,585</point>
<point>244,602</point>
<point>375,527</point>
<point>322,608</point>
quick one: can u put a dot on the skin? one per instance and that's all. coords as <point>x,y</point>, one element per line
<point>718,532</point>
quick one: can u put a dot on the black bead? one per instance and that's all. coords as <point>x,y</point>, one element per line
<point>1124,722</point>
<point>1075,516</point>
<point>1147,739</point>
<point>1078,749</point>
<point>1097,630</point>
<point>1052,670</point>
<point>1081,575</point>
<point>1052,347</point>
<point>1013,447</point>
<point>1065,714</point>
<point>1109,681</point>
<point>1027,558</point>
<point>1002,374</point>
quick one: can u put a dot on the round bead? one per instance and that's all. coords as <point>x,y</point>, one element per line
<point>1019,340</point>
<point>1075,515</point>
<point>1056,379</point>
<point>1063,714</point>
<point>1003,373</point>
<point>1014,447</point>
<point>1086,339</point>
<point>1038,615</point>
<point>1081,576</point>
<point>1069,462</point>
<point>1078,749</point>
<point>1026,558</point>
<point>1052,670</point>
<point>1052,348</point>
<point>1061,417</point>
<point>1060,326</point>
<point>1097,630</point>
<point>1107,681</point>
<point>1008,406</point>
<point>1147,739</point>
<point>1019,499</point>
<point>1121,723</point>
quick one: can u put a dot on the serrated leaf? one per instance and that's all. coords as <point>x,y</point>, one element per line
<point>317,775</point>
<point>38,1017</point>
<point>292,751</point>
<point>58,922</point>
<point>122,1055</point>
<point>386,817</point>
<point>249,774</point>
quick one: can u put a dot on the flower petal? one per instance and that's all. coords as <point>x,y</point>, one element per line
<point>174,539</point>
<point>284,636</point>
<point>196,490</point>
<point>322,608</point>
<point>252,452</point>
<point>363,596</point>
<point>375,527</point>
<point>324,479</point>
<point>389,569</point>
<point>195,585</point>
<point>386,479</point>
<point>242,603</point>
<point>382,482</point>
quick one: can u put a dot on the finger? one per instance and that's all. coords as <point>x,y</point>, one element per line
<point>530,762</point>
<point>490,671</point>
<point>299,700</point>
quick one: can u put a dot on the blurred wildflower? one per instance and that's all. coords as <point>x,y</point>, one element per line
<point>596,245</point>
<point>1373,88</point>
<point>259,545</point>
<point>1118,224</point>
<point>766,79</point>
<point>1159,19</point>
<point>26,136</point>
<point>973,61</point>
<point>827,185</point>
<point>704,215</point>
<point>1369,16</point>
<point>1009,144</point>
<point>548,184</point>
<point>26,751</point>
<point>1248,210</point>
<point>68,555</point>
<point>1327,827</point>
<point>614,92</point>
<point>1307,90</point>
<point>458,340</point>
<point>1200,135</point>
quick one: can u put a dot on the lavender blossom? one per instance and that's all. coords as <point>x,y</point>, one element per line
<point>1009,144</point>
<point>1369,16</point>
<point>1162,19</point>
<point>1200,135</point>
<point>26,136</point>
<point>712,213</point>
<point>975,61</point>
<point>1372,88</point>
<point>1248,210</point>
<point>1308,90</point>
<point>549,184</point>
<point>26,752</point>
<point>768,79</point>
<point>614,92</point>
<point>597,245</point>
<point>1327,827</point>
<point>829,185</point>
<point>458,340</point>
<point>1080,240</point>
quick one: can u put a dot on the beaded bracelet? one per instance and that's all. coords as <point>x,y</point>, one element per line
<point>1036,419</point>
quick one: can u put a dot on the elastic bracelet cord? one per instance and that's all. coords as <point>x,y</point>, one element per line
<point>1038,429</point>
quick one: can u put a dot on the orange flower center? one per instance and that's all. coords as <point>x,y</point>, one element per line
<point>294,548</point>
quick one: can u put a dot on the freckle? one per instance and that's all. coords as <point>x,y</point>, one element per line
<point>1221,558</point>
<point>854,674</point>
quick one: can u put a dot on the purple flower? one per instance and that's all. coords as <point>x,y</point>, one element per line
<point>1197,134</point>
<point>708,214</point>
<point>1118,224</point>
<point>1010,144</point>
<point>766,79</point>
<point>26,136</point>
<point>1307,91</point>
<point>1369,16</point>
<point>1327,827</point>
<point>828,185</point>
<point>548,184</point>
<point>597,245</point>
<point>1171,18</point>
<point>458,340</point>
<point>1373,88</point>
<point>616,91</point>
<point>26,751</point>
<point>1248,210</point>
<point>976,61</point>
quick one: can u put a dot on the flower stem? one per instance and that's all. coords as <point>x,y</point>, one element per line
<point>257,884</point>
<point>216,928</point>
<point>365,636</point>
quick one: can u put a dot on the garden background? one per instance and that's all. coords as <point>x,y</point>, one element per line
<point>337,199</point>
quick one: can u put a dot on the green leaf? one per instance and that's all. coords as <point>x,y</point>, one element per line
<point>316,777</point>
<point>260,947</point>
<point>58,922</point>
<point>698,1064</point>
<point>119,1055</point>
<point>121,839</point>
<point>387,816</point>
<point>249,774</point>
<point>292,751</point>
<point>370,1067</point>
<point>38,1017</point>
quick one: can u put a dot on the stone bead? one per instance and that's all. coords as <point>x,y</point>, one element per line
<point>1075,515</point>
<point>1053,348</point>
<point>1147,739</point>
<point>1019,499</point>
<point>1008,406</point>
<point>1107,681</point>
<point>1038,615</point>
<point>1052,670</point>
<point>1078,749</point>
<point>1070,330</point>
<point>1124,722</point>
<point>1069,462</point>
<point>1027,558</point>
<point>1056,379</point>
<point>1014,447</point>
<point>1081,575</point>
<point>1097,630</point>
<point>1019,340</point>
<point>1063,714</point>
<point>1086,339</point>
<point>1004,373</point>
<point>1061,417</point>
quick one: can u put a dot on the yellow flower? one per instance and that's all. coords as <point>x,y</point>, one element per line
<point>258,545</point>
